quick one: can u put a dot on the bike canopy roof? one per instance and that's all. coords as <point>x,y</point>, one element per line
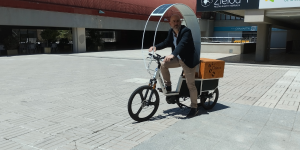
<point>189,18</point>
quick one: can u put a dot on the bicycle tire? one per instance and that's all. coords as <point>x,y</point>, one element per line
<point>207,105</point>
<point>138,91</point>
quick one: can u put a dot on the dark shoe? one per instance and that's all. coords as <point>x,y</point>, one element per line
<point>169,88</point>
<point>193,112</point>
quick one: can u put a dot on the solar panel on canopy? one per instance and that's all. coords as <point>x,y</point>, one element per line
<point>161,10</point>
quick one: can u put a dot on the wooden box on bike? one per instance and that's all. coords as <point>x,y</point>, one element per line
<point>211,68</point>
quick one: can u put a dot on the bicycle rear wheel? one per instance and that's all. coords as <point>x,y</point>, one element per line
<point>209,103</point>
<point>143,103</point>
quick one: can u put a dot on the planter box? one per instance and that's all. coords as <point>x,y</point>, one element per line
<point>12,52</point>
<point>47,50</point>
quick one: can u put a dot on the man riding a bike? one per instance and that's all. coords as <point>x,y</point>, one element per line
<point>184,55</point>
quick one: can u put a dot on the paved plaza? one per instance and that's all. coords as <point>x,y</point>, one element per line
<point>79,101</point>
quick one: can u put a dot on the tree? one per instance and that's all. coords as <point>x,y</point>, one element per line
<point>94,38</point>
<point>49,35</point>
<point>65,34</point>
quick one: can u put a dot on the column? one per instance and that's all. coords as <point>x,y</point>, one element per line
<point>79,43</point>
<point>263,42</point>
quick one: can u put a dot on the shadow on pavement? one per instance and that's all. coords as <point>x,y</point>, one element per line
<point>181,113</point>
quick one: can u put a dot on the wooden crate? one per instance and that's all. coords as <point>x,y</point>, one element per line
<point>211,68</point>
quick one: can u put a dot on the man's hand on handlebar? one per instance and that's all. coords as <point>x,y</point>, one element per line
<point>169,58</point>
<point>152,48</point>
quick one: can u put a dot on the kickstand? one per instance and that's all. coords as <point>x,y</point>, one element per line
<point>182,106</point>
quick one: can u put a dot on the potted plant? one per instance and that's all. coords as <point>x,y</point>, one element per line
<point>11,44</point>
<point>49,36</point>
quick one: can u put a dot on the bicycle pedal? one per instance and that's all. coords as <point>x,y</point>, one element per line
<point>159,89</point>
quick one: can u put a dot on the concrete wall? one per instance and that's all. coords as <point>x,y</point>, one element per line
<point>228,34</point>
<point>28,17</point>
<point>234,48</point>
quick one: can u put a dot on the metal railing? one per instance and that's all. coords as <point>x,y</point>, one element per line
<point>228,40</point>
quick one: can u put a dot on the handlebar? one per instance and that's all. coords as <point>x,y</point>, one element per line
<point>157,57</point>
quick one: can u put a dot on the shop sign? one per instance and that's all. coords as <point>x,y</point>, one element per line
<point>216,5</point>
<point>264,4</point>
<point>241,28</point>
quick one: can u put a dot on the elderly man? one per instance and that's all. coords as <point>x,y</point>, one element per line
<point>184,55</point>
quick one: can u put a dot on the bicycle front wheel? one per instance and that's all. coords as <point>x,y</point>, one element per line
<point>143,103</point>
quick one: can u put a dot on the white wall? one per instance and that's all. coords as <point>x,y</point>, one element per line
<point>228,34</point>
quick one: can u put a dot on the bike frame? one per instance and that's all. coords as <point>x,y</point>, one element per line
<point>157,77</point>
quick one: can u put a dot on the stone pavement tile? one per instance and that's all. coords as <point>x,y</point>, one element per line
<point>75,133</point>
<point>270,98</point>
<point>129,122</point>
<point>75,146</point>
<point>226,145</point>
<point>255,93</point>
<point>136,135</point>
<point>272,138</point>
<point>5,125</point>
<point>51,143</point>
<point>243,132</point>
<point>295,85</point>
<point>30,138</point>
<point>76,121</point>
<point>76,112</point>
<point>96,126</point>
<point>275,91</point>
<point>296,126</point>
<point>118,144</point>
<point>26,147</point>
<point>281,85</point>
<point>55,129</point>
<point>228,99</point>
<point>9,145</point>
<point>12,132</point>
<point>21,121</point>
<point>236,111</point>
<point>152,127</point>
<point>287,106</point>
<point>258,117</point>
<point>265,104</point>
<point>291,97</point>
<point>264,86</point>
<point>94,140</point>
<point>247,100</point>
<point>163,141</point>
<point>116,131</point>
<point>61,109</point>
<point>294,141</point>
<point>282,119</point>
<point>42,114</point>
<point>37,124</point>
<point>9,116</point>
<point>293,91</point>
<point>167,121</point>
<point>57,118</point>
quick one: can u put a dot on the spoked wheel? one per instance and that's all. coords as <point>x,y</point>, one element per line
<point>143,103</point>
<point>209,100</point>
